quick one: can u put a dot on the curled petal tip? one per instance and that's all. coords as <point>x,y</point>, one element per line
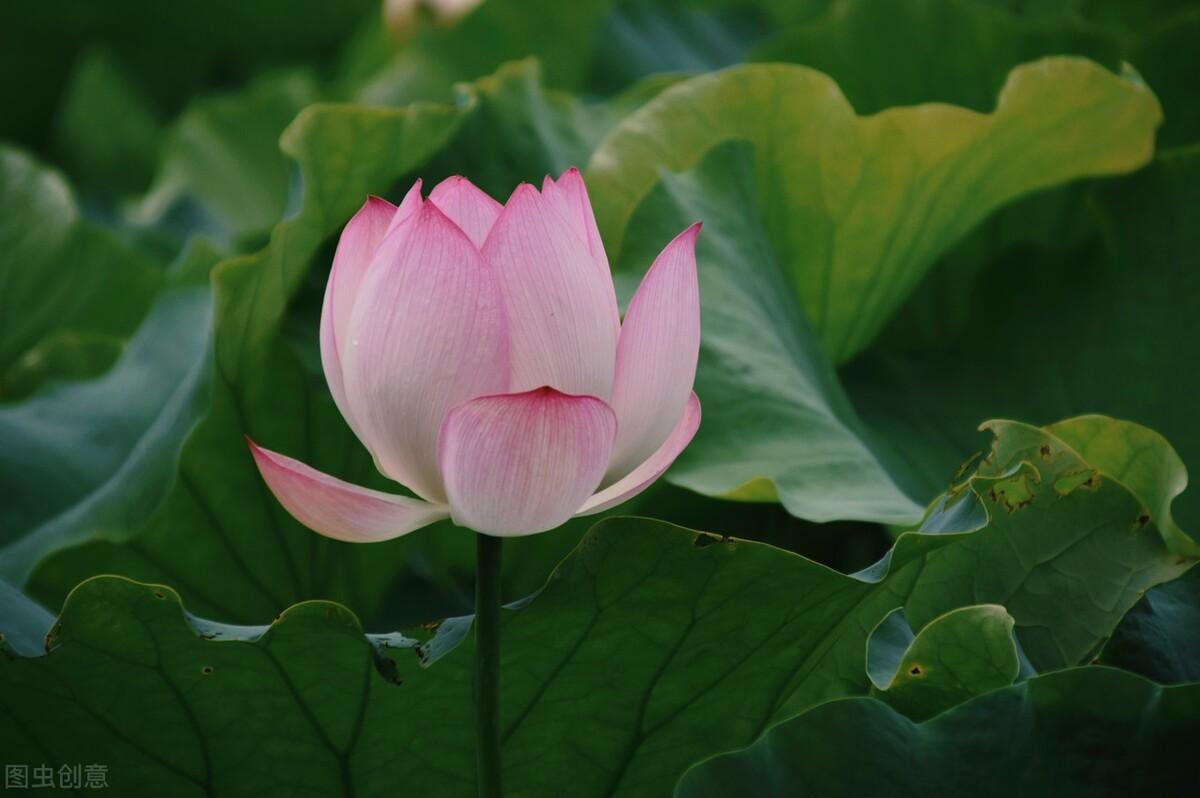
<point>523,189</point>
<point>471,208</point>
<point>455,181</point>
<point>690,233</point>
<point>571,172</point>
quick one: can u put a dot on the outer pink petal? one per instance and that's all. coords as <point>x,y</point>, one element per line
<point>468,207</point>
<point>522,463</point>
<point>652,467</point>
<point>559,306</point>
<point>569,198</point>
<point>356,247</point>
<point>571,191</point>
<point>427,333</point>
<point>338,509</point>
<point>656,355</point>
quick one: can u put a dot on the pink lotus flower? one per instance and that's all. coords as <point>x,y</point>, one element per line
<point>477,351</point>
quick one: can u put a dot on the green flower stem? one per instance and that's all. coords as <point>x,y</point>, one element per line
<point>487,664</point>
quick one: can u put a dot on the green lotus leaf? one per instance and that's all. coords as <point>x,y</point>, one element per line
<point>1157,638</point>
<point>1113,315</point>
<point>857,208</point>
<point>59,270</point>
<point>964,653</point>
<point>1085,731</point>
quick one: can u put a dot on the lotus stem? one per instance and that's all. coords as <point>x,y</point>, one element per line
<point>487,664</point>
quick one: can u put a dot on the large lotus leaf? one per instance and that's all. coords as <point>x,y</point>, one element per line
<point>777,424</point>
<point>1081,732</point>
<point>25,623</point>
<point>881,53</point>
<point>1141,459</point>
<point>856,209</point>
<point>1036,555</point>
<point>958,655</point>
<point>649,648</point>
<point>1115,315</point>
<point>57,269</point>
<point>1157,638</point>
<point>1150,36</point>
<point>86,458</point>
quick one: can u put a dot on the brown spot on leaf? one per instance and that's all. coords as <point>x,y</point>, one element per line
<point>52,636</point>
<point>206,670</point>
<point>1014,493</point>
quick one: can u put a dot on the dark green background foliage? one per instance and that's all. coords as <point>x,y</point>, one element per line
<point>919,216</point>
